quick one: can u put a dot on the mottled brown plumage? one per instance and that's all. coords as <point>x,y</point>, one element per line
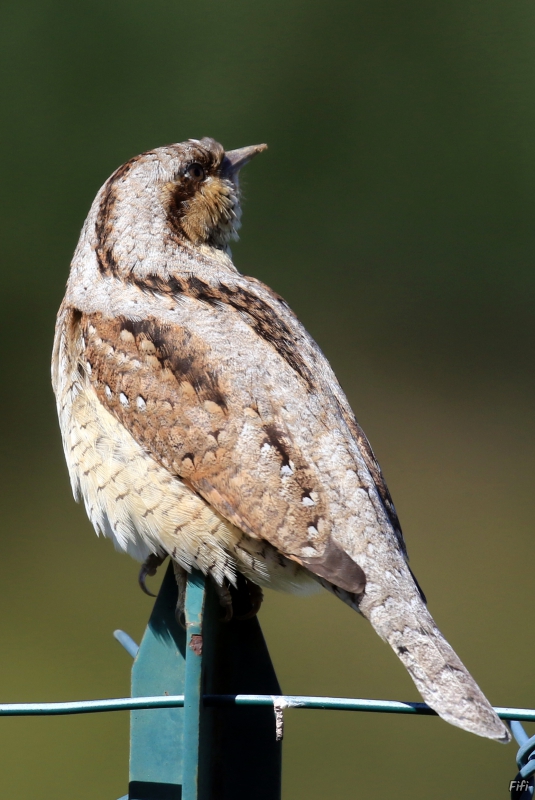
<point>200,420</point>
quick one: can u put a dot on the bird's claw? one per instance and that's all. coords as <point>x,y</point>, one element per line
<point>256,597</point>
<point>181,578</point>
<point>149,568</point>
<point>229,613</point>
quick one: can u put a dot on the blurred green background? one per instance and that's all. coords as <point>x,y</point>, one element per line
<point>394,211</point>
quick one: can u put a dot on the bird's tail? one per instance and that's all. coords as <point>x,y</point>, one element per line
<point>440,676</point>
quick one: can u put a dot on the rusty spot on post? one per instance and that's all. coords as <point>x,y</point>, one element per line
<point>196,643</point>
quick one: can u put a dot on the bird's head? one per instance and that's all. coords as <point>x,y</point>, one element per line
<point>202,195</point>
<point>183,194</point>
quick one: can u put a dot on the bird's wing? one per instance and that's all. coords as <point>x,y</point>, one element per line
<point>344,409</point>
<point>231,394</point>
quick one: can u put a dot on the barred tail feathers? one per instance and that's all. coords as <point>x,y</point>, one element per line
<point>438,673</point>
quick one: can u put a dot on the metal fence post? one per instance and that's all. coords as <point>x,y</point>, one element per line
<point>203,751</point>
<point>156,752</point>
<point>193,705</point>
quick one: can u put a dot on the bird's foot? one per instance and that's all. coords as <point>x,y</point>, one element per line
<point>248,593</point>
<point>225,600</point>
<point>256,596</point>
<point>181,577</point>
<point>149,568</point>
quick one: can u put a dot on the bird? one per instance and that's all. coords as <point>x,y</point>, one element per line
<point>201,422</point>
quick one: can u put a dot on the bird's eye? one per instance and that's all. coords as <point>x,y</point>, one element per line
<point>195,171</point>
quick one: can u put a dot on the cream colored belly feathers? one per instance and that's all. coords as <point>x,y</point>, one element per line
<point>144,509</point>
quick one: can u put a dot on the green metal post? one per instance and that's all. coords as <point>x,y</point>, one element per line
<point>202,751</point>
<point>156,736</point>
<point>240,757</point>
<point>194,613</point>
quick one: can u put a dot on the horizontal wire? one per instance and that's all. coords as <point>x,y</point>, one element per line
<point>286,701</point>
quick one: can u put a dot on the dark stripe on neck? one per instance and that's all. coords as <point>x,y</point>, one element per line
<point>104,251</point>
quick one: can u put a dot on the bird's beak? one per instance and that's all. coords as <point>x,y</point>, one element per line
<point>236,159</point>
